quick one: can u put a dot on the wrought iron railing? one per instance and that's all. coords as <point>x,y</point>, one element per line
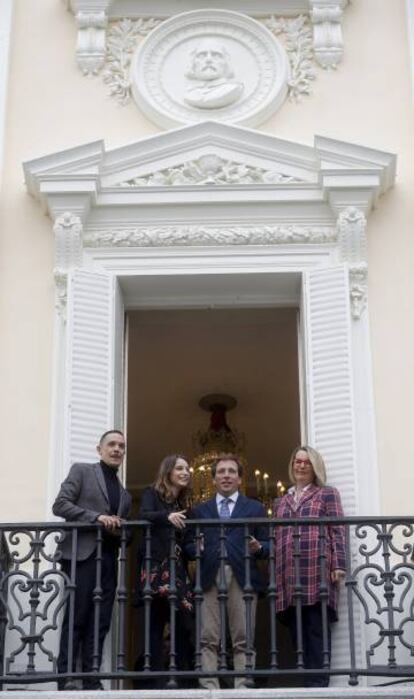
<point>377,629</point>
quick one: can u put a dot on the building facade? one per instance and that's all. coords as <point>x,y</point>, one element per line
<point>171,170</point>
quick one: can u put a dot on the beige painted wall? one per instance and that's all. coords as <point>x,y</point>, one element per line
<point>52,107</point>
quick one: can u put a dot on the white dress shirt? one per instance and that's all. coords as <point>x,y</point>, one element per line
<point>232,499</point>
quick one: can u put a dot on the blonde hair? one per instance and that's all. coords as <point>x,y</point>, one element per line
<point>317,462</point>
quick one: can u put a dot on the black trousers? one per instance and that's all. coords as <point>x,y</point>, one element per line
<point>160,616</point>
<point>312,639</point>
<point>84,612</point>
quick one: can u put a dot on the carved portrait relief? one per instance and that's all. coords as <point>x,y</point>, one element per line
<point>209,64</point>
<point>213,85</point>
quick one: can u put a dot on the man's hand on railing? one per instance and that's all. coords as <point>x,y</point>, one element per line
<point>177,519</point>
<point>254,545</point>
<point>110,522</point>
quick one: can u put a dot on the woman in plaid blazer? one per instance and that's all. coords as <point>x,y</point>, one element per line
<point>309,497</point>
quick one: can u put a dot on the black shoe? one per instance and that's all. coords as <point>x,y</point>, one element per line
<point>92,685</point>
<point>67,686</point>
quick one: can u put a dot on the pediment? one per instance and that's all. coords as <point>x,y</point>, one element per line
<point>209,156</point>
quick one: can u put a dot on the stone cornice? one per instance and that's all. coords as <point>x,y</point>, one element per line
<point>165,8</point>
<point>88,177</point>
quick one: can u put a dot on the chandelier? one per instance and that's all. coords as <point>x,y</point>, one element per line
<point>217,439</point>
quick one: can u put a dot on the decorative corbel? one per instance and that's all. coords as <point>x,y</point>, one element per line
<point>91,45</point>
<point>68,253</point>
<point>326,17</point>
<point>353,246</point>
<point>61,289</point>
<point>358,288</point>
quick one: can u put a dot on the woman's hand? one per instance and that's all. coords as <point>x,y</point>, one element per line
<point>177,519</point>
<point>337,575</point>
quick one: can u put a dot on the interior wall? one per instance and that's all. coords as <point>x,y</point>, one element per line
<point>176,357</point>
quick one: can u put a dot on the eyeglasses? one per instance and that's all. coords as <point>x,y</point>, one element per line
<point>305,462</point>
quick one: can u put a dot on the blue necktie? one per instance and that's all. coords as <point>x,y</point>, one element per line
<point>225,508</point>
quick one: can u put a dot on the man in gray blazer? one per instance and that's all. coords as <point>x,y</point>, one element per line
<point>91,493</point>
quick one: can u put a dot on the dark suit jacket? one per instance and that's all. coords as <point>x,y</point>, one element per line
<point>245,508</point>
<point>82,498</point>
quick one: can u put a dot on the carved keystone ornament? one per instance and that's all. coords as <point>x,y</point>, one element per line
<point>209,64</point>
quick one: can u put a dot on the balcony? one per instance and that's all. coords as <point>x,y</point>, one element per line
<point>373,642</point>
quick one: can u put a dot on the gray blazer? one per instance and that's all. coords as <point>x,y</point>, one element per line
<point>82,498</point>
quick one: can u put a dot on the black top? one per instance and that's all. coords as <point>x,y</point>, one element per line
<point>112,486</point>
<point>156,510</point>
<point>111,541</point>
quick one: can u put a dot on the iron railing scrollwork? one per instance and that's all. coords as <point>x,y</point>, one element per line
<point>378,587</point>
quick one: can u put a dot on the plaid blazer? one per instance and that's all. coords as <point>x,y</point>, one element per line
<point>315,502</point>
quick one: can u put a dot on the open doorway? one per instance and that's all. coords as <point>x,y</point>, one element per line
<point>177,356</point>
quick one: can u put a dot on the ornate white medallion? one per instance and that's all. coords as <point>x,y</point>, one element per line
<point>209,64</point>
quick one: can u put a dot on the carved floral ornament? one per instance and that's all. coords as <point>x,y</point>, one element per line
<point>208,170</point>
<point>313,37</point>
<point>199,235</point>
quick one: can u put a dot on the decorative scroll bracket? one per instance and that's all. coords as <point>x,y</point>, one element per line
<point>91,44</point>
<point>326,17</point>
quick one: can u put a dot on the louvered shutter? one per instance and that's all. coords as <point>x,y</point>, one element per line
<point>330,412</point>
<point>93,375</point>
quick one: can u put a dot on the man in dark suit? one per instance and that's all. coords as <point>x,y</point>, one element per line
<point>91,493</point>
<point>230,570</point>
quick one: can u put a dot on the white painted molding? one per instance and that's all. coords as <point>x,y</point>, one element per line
<point>333,176</point>
<point>116,9</point>
<point>103,201</point>
<point>109,32</point>
<point>409,8</point>
<point>326,16</point>
<point>91,42</point>
<point>210,169</point>
<point>352,236</point>
<point>352,242</point>
<point>358,288</point>
<point>6,16</point>
<point>68,254</point>
<point>166,236</point>
<point>297,36</point>
<point>212,64</point>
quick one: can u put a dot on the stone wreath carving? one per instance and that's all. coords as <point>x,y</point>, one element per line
<point>149,236</point>
<point>297,36</point>
<point>210,169</point>
<point>124,35</point>
<point>123,38</point>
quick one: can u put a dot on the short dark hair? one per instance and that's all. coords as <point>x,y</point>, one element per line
<point>227,457</point>
<point>105,434</point>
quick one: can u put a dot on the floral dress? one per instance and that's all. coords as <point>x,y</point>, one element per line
<point>161,566</point>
